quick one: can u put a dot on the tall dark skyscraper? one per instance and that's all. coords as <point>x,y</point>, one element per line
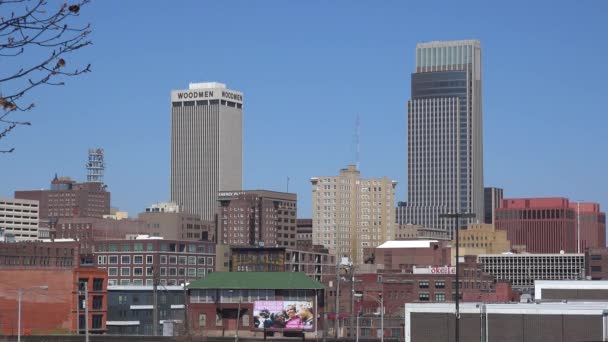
<point>445,148</point>
<point>206,146</point>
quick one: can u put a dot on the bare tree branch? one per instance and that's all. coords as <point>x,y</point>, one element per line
<point>39,31</point>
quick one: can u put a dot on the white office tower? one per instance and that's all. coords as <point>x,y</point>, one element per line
<point>206,146</point>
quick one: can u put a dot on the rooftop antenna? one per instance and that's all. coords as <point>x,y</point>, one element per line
<point>95,166</point>
<point>357,134</point>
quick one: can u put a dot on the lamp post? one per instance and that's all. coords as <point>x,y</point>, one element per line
<point>19,293</point>
<point>381,303</point>
<point>457,217</point>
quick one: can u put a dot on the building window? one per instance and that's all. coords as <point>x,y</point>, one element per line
<point>163,259</point>
<point>138,259</point>
<point>138,247</point>
<point>423,297</point>
<point>192,272</point>
<point>201,272</point>
<point>126,247</point>
<point>172,271</point>
<point>596,268</point>
<point>440,284</point>
<point>202,320</point>
<point>149,271</point>
<point>125,282</point>
<point>423,284</point>
<point>210,261</point>
<point>113,260</point>
<point>125,272</point>
<point>182,260</point>
<point>138,271</point>
<point>125,259</point>
<point>182,271</point>
<point>172,259</point>
<point>201,260</point>
<point>97,302</point>
<point>101,259</point>
<point>163,271</point>
<point>439,297</point>
<point>149,259</point>
<point>97,321</point>
<point>97,284</point>
<point>138,282</point>
<point>191,260</point>
<point>596,257</point>
<point>113,271</point>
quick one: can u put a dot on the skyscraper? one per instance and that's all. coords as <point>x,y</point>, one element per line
<point>351,213</point>
<point>445,148</point>
<point>206,146</point>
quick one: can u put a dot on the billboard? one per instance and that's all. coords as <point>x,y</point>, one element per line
<point>283,314</point>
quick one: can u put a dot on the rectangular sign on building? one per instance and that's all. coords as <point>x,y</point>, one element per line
<point>279,314</point>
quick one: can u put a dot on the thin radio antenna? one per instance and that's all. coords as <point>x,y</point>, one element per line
<point>357,147</point>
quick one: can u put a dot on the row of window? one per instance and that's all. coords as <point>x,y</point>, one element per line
<point>163,271</point>
<point>164,259</point>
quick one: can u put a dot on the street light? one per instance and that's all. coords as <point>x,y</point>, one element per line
<point>238,314</point>
<point>381,302</point>
<point>457,217</point>
<point>20,292</point>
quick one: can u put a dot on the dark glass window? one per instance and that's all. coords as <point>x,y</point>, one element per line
<point>97,284</point>
<point>97,321</point>
<point>97,302</point>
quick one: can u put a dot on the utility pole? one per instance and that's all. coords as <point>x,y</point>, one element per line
<point>155,300</point>
<point>352,296</point>
<point>337,322</point>
<point>457,217</point>
<point>77,303</point>
<point>238,317</point>
<point>86,311</point>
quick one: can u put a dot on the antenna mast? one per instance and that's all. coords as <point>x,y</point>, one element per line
<point>358,150</point>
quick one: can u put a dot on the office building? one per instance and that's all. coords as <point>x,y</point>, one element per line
<point>167,221</point>
<point>133,262</point>
<point>550,225</point>
<point>523,269</point>
<point>481,238</point>
<point>492,199</point>
<point>351,213</point>
<point>19,218</point>
<point>206,146</point>
<point>257,218</point>
<point>304,234</point>
<point>67,198</point>
<point>444,130</point>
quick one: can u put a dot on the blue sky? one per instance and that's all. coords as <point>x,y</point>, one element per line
<point>307,68</point>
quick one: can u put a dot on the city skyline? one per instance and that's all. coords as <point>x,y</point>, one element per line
<point>540,131</point>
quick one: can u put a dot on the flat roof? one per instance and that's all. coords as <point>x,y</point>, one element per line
<point>257,280</point>
<point>545,308</point>
<point>407,244</point>
<point>540,285</point>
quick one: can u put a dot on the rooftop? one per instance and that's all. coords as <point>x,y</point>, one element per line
<point>407,244</point>
<point>257,280</point>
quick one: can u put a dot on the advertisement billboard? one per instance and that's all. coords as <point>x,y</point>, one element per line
<point>283,314</point>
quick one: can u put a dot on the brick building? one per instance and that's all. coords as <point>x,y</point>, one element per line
<point>88,230</point>
<point>133,262</point>
<point>56,308</point>
<point>281,259</point>
<point>304,234</point>
<point>257,218</point>
<point>67,198</point>
<point>481,238</point>
<point>402,255</point>
<point>596,263</point>
<point>215,301</point>
<point>550,225</point>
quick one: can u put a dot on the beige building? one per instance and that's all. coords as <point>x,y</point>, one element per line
<point>351,213</point>
<point>168,221</point>
<point>482,238</point>
<point>19,218</point>
<point>410,231</point>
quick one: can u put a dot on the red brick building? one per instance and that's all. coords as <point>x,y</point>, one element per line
<point>403,255</point>
<point>549,225</point>
<point>257,218</point>
<point>53,310</point>
<point>67,198</point>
